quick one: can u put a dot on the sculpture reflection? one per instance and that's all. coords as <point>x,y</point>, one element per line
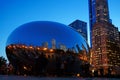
<point>47,48</point>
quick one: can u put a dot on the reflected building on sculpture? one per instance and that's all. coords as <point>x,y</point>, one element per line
<point>37,47</point>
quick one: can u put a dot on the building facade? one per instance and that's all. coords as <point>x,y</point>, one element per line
<point>98,12</point>
<point>105,40</point>
<point>119,36</point>
<point>81,27</point>
<point>105,51</point>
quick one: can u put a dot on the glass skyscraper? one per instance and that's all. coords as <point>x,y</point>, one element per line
<point>98,12</point>
<point>81,27</point>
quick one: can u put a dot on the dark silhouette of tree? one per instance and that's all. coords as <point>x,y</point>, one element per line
<point>2,65</point>
<point>2,61</point>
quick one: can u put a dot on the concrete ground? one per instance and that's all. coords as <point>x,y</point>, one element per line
<point>6,77</point>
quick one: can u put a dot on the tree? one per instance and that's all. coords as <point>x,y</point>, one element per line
<point>2,61</point>
<point>2,65</point>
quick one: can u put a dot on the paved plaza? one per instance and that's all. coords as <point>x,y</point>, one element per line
<point>6,77</point>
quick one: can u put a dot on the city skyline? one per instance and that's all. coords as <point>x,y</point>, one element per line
<point>15,13</point>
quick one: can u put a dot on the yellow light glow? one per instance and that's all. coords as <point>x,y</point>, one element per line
<point>26,47</point>
<point>78,75</point>
<point>38,48</point>
<point>51,50</point>
<point>23,46</point>
<point>25,68</point>
<point>93,71</point>
<point>30,47</point>
<point>14,47</point>
<point>44,49</point>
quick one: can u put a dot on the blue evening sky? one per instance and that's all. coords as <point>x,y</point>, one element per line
<point>14,13</point>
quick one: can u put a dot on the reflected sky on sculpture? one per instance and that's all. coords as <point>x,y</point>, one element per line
<point>43,46</point>
<point>48,34</point>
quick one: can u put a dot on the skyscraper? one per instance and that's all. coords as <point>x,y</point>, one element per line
<point>98,12</point>
<point>105,45</point>
<point>81,27</point>
<point>53,44</point>
<point>45,44</point>
<point>104,37</point>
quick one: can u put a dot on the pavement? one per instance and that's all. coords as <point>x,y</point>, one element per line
<point>12,77</point>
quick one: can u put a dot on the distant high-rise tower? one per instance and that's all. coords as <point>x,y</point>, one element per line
<point>62,47</point>
<point>45,44</point>
<point>98,12</point>
<point>53,44</point>
<point>81,27</point>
